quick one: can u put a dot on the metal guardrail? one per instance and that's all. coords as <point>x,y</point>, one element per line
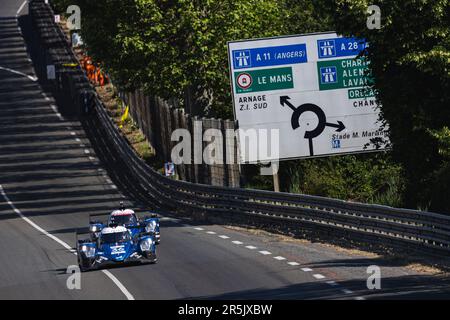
<point>373,224</point>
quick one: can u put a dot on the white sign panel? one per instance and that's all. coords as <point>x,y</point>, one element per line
<point>311,88</point>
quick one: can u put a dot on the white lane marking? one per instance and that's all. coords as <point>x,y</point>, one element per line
<point>34,79</point>
<point>199,229</point>
<point>119,285</point>
<point>279,258</point>
<point>114,186</point>
<point>347,291</point>
<point>82,145</point>
<point>62,243</point>
<point>293,263</point>
<point>109,181</point>
<point>360,298</point>
<point>210,232</point>
<point>55,110</point>
<point>73,133</point>
<point>332,283</point>
<point>237,242</point>
<point>77,139</point>
<point>251,247</point>
<point>318,276</point>
<point>21,8</point>
<point>224,237</point>
<point>265,252</point>
<point>86,151</point>
<point>306,269</point>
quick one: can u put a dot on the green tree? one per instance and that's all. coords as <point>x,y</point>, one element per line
<point>410,59</point>
<point>176,48</point>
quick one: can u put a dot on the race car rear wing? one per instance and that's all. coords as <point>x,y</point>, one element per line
<point>79,232</point>
<point>96,215</point>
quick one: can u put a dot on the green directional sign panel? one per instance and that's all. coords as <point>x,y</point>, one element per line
<point>264,80</point>
<point>343,73</point>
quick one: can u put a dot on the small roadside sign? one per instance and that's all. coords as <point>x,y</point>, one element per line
<point>169,169</point>
<point>51,72</point>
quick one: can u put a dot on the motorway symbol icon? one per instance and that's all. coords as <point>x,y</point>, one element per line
<point>328,75</point>
<point>310,134</point>
<point>336,143</point>
<point>242,59</point>
<point>327,48</point>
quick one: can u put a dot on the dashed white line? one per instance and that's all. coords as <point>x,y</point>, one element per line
<point>62,243</point>
<point>210,232</point>
<point>279,258</point>
<point>318,276</point>
<point>224,237</point>
<point>251,247</point>
<point>306,269</point>
<point>77,139</point>
<point>237,242</point>
<point>21,8</point>
<point>199,229</point>
<point>73,133</point>
<point>360,298</point>
<point>86,151</point>
<point>293,263</point>
<point>265,252</point>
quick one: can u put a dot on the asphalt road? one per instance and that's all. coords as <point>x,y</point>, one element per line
<point>55,170</point>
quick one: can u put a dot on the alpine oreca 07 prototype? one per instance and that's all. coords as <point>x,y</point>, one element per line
<point>124,239</point>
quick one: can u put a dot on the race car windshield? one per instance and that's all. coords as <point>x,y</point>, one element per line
<point>123,219</point>
<point>116,237</point>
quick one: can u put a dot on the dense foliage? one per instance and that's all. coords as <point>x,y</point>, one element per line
<point>410,61</point>
<point>177,48</point>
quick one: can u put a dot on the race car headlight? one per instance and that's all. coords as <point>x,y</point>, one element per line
<point>150,227</point>
<point>146,245</point>
<point>88,251</point>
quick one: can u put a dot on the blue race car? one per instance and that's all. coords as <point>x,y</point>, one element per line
<point>116,245</point>
<point>128,219</point>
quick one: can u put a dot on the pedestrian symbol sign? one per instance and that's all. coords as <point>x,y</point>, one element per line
<point>328,75</point>
<point>327,48</point>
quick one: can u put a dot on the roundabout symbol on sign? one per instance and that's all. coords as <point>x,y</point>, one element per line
<point>317,131</point>
<point>244,81</point>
